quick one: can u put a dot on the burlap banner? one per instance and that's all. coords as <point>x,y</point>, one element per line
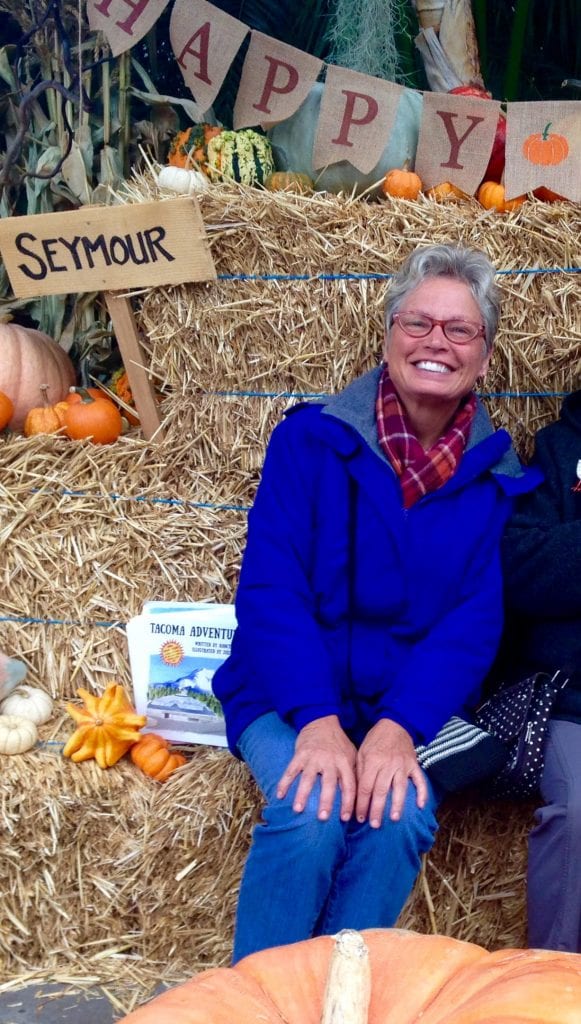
<point>543,147</point>
<point>456,136</point>
<point>356,118</point>
<point>124,22</point>
<point>205,41</point>
<point>275,80</point>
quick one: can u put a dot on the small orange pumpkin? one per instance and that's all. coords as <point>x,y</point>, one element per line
<point>6,410</point>
<point>402,183</point>
<point>42,419</point>
<point>546,148</point>
<point>289,181</point>
<point>492,196</point>
<point>90,418</point>
<point>153,755</point>
<point>445,191</point>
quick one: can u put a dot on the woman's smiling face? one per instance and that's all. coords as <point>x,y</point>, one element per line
<point>433,370</point>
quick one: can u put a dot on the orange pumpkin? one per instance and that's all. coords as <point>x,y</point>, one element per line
<point>30,359</point>
<point>427,978</point>
<point>153,755</point>
<point>444,191</point>
<point>546,148</point>
<point>492,196</point>
<point>190,147</point>
<point>6,410</point>
<point>42,419</point>
<point>289,181</point>
<point>90,418</point>
<point>402,183</point>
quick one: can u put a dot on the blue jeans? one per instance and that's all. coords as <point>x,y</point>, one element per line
<point>305,877</point>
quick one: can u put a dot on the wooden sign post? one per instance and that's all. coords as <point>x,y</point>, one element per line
<point>111,249</point>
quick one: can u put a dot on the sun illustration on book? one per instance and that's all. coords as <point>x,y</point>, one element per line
<point>171,652</point>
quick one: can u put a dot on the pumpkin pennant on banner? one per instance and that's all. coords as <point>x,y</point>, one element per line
<point>205,41</point>
<point>275,80</point>
<point>124,22</point>
<point>543,148</point>
<point>456,138</point>
<point>356,117</point>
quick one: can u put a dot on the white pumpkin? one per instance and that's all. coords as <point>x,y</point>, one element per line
<point>16,734</point>
<point>28,702</point>
<point>182,180</point>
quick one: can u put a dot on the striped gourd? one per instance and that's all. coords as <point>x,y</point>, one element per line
<point>244,156</point>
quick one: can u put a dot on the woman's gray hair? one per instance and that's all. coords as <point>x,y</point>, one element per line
<point>468,265</point>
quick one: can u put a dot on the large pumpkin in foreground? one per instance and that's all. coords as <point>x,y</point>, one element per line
<point>30,360</point>
<point>413,978</point>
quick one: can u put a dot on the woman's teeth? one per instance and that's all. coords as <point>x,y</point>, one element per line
<point>425,364</point>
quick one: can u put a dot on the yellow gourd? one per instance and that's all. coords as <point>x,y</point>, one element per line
<point>107,727</point>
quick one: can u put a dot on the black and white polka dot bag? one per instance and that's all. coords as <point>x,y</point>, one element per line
<point>519,715</point>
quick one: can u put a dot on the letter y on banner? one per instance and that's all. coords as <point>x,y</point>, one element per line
<point>275,80</point>
<point>456,137</point>
<point>356,119</point>
<point>123,22</point>
<point>205,41</point>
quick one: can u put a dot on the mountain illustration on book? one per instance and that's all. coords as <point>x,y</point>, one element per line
<point>189,694</point>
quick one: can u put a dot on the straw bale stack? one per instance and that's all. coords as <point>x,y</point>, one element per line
<point>108,877</point>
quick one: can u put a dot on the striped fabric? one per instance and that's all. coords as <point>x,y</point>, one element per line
<point>419,471</point>
<point>455,737</point>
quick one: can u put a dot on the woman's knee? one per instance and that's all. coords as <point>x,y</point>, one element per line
<point>279,817</point>
<point>417,825</point>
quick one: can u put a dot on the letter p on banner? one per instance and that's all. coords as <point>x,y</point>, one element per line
<point>357,116</point>
<point>275,80</point>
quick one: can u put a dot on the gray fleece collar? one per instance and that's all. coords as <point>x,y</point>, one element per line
<point>355,405</point>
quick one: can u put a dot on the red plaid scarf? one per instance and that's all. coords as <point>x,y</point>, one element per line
<point>419,471</point>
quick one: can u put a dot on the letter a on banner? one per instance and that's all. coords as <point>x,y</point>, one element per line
<point>124,22</point>
<point>205,41</point>
<point>456,137</point>
<point>275,80</point>
<point>356,118</point>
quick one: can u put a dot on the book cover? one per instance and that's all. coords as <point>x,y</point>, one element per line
<point>174,650</point>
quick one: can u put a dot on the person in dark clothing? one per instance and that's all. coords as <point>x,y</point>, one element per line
<point>542,565</point>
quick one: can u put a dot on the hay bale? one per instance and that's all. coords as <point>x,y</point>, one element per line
<point>107,877</point>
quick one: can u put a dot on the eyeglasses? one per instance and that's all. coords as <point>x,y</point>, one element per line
<point>419,325</point>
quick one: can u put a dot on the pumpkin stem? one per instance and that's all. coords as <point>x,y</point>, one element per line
<point>44,389</point>
<point>86,398</point>
<point>546,131</point>
<point>348,988</point>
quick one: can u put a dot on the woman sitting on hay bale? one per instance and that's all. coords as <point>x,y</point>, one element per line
<point>542,555</point>
<point>369,609</point>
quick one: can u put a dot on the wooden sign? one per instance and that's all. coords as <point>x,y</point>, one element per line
<point>100,248</point>
<point>111,249</point>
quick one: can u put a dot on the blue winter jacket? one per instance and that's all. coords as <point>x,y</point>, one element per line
<point>349,604</point>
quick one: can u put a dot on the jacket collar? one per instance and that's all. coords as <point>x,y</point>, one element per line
<point>355,406</point>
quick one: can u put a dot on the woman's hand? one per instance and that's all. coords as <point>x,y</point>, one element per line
<point>322,748</point>
<point>385,761</point>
